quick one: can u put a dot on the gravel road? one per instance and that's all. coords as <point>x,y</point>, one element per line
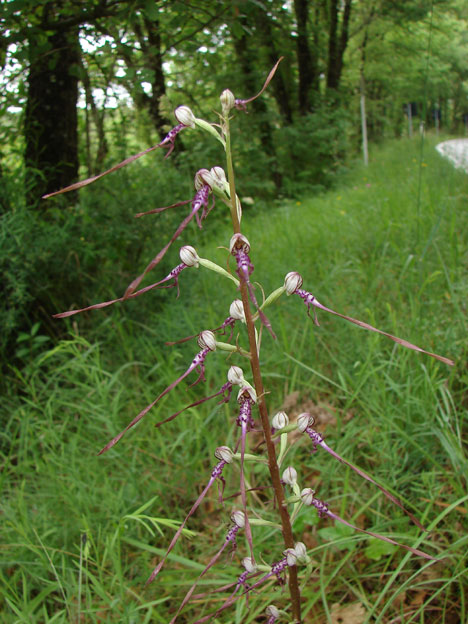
<point>456,151</point>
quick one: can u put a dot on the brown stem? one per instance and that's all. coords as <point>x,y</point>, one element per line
<point>262,408</point>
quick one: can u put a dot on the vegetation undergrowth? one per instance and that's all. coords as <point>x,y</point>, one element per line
<point>388,246</point>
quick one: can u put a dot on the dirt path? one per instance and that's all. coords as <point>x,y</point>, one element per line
<point>456,151</point>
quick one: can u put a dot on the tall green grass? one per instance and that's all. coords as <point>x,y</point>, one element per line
<point>80,533</point>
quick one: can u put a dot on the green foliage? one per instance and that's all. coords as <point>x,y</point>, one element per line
<point>76,528</point>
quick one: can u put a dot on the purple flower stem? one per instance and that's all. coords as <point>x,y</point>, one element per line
<point>323,510</point>
<point>200,200</point>
<point>168,141</point>
<point>244,270</point>
<point>318,440</point>
<point>246,423</point>
<point>173,275</point>
<point>226,389</point>
<point>230,539</point>
<point>216,473</point>
<point>197,362</point>
<point>310,300</point>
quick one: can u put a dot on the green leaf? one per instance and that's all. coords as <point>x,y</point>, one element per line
<point>378,549</point>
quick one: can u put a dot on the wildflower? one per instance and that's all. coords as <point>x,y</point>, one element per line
<point>310,300</point>
<point>289,476</point>
<point>241,104</point>
<point>167,142</point>
<point>239,248</point>
<point>246,400</point>
<point>198,362</point>
<point>189,257</point>
<point>308,498</point>
<point>317,440</point>
<point>279,421</point>
<point>224,454</point>
<point>229,540</point>
<point>273,614</point>
<point>199,201</point>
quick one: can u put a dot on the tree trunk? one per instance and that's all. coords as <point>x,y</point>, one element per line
<point>245,57</point>
<point>308,72</point>
<point>278,86</point>
<point>337,42</point>
<point>50,126</point>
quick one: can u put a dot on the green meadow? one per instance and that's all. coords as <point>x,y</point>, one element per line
<point>80,533</point>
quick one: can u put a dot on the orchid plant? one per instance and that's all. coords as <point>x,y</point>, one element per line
<point>252,413</point>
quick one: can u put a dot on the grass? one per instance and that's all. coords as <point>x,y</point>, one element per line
<point>80,533</point>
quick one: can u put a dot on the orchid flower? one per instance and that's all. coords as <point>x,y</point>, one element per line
<point>308,498</point>
<point>199,201</point>
<point>292,285</point>
<point>239,522</point>
<point>167,142</point>
<point>189,259</point>
<point>207,343</point>
<point>305,422</point>
<point>225,455</point>
<point>241,104</point>
<point>239,248</point>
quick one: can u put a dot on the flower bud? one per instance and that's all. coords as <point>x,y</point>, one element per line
<point>247,389</point>
<point>202,178</point>
<point>224,453</point>
<point>301,550</point>
<point>290,476</point>
<point>291,556</point>
<point>292,282</point>
<point>280,420</point>
<point>207,340</point>
<point>219,178</point>
<point>227,100</point>
<point>236,375</point>
<point>304,420</point>
<point>184,115</point>
<point>249,565</point>
<point>189,256</point>
<point>238,518</point>
<point>272,611</point>
<point>307,496</point>
<point>236,310</point>
<point>239,241</point>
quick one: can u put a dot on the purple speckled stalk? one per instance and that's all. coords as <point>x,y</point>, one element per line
<point>197,362</point>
